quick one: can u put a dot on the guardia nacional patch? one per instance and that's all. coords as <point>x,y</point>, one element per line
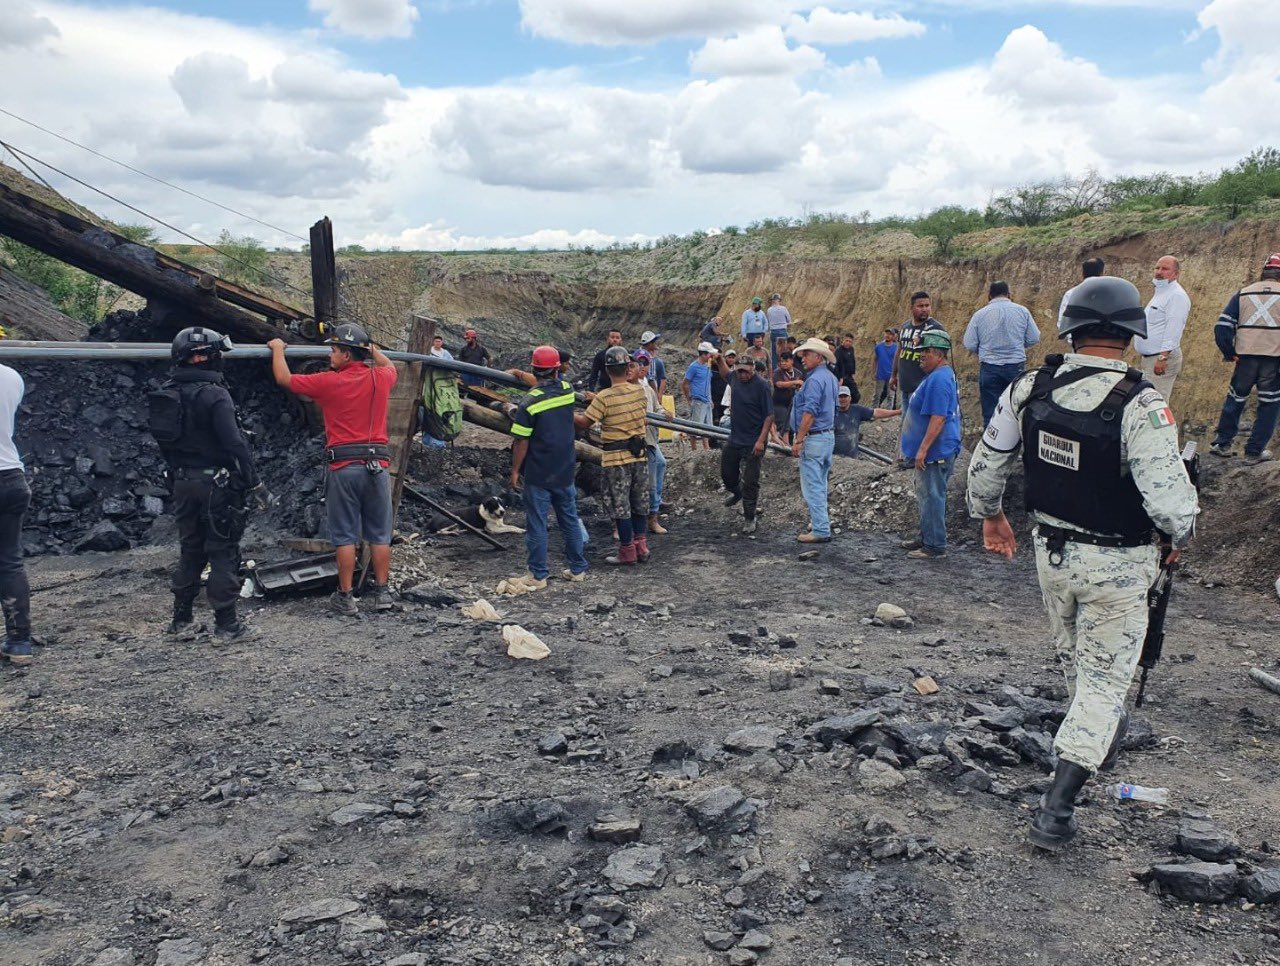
<point>1162,418</point>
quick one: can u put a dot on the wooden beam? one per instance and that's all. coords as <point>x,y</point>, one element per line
<point>324,273</point>
<point>133,266</point>
<point>480,416</point>
<point>402,413</point>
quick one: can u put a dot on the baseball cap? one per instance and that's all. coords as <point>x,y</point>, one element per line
<point>745,362</point>
<point>846,391</point>
<point>641,357</point>
<point>757,300</point>
<point>649,336</point>
<point>706,347</point>
<point>775,297</point>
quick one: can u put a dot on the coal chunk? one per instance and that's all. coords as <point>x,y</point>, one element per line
<point>1262,887</point>
<point>722,810</point>
<point>1198,881</point>
<point>1203,839</point>
<point>103,535</point>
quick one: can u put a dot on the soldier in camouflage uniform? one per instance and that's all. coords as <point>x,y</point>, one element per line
<point>1103,473</point>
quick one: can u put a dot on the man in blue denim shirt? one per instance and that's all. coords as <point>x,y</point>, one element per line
<point>813,417</point>
<point>931,439</point>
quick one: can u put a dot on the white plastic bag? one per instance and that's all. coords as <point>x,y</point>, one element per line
<point>481,610</point>
<point>524,644</point>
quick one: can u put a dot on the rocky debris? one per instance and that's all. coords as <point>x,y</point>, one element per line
<point>719,941</point>
<point>830,686</point>
<point>180,952</point>
<point>103,535</point>
<point>545,816</point>
<point>894,616</point>
<point>1197,881</point>
<point>808,555</point>
<point>556,743</point>
<point>357,812</point>
<point>269,857</point>
<point>607,918</point>
<point>925,685</point>
<point>879,778</point>
<point>115,956</point>
<point>614,827</point>
<point>722,810</point>
<point>1034,746</point>
<point>600,605</point>
<point>843,727</point>
<point>1262,887</point>
<point>636,867</point>
<point>757,940</point>
<point>742,957</point>
<point>321,910</point>
<point>1198,836</point>
<point>754,738</point>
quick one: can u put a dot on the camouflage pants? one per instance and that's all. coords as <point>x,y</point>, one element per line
<point>1097,603</point>
<point>626,490</point>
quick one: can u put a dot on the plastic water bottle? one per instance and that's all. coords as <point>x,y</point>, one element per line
<point>1139,793</point>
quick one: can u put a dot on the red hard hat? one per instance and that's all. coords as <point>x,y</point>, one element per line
<point>469,334</point>
<point>1273,261</point>
<point>546,357</point>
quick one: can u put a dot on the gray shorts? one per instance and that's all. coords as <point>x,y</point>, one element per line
<point>700,411</point>
<point>359,505</point>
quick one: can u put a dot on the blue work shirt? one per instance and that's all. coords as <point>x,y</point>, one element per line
<point>699,377</point>
<point>545,418</point>
<point>754,322</point>
<point>885,354</point>
<point>1000,332</point>
<point>937,395</point>
<point>817,396</point>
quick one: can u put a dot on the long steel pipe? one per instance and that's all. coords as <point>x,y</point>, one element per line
<point>685,425</point>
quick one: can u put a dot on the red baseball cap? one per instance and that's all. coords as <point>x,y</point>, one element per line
<point>469,334</point>
<point>1273,261</point>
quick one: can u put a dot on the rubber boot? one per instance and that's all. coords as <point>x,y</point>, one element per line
<point>227,627</point>
<point>1113,750</point>
<point>183,618</point>
<point>625,555</point>
<point>642,548</point>
<point>1055,824</point>
<point>655,526</point>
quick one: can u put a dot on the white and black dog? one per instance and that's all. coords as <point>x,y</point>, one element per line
<point>487,515</point>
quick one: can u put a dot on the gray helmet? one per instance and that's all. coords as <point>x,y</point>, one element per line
<point>616,357</point>
<point>349,335</point>
<point>198,341</point>
<point>1105,301</point>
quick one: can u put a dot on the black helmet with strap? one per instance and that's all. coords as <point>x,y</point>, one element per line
<point>350,335</point>
<point>197,340</point>
<point>1112,305</point>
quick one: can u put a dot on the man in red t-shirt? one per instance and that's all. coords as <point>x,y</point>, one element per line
<point>353,397</point>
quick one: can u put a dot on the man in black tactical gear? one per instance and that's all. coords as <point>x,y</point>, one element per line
<point>1103,476</point>
<point>193,419</point>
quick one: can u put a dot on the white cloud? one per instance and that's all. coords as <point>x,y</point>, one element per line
<point>828,28</point>
<point>368,18</point>
<point>570,140</point>
<point>1034,70</point>
<point>866,69</point>
<point>439,236</point>
<point>642,21</point>
<point>741,126</point>
<point>759,52</point>
<point>21,26</point>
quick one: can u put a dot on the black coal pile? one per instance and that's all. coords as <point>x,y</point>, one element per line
<point>97,477</point>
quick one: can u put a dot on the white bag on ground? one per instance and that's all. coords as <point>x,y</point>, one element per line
<point>481,610</point>
<point>524,644</point>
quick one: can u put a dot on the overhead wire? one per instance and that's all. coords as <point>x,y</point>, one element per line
<point>84,212</point>
<point>155,178</point>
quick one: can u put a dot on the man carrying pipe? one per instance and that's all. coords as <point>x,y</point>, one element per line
<point>353,397</point>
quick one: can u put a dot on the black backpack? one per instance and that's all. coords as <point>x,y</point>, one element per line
<point>167,412</point>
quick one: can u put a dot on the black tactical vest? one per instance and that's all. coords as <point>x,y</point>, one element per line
<point>1072,459</point>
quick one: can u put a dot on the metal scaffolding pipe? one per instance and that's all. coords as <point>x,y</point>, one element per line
<point>159,352</point>
<point>686,426</point>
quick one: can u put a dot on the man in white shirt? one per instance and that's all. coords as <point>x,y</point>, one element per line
<point>15,496</point>
<point>1167,314</point>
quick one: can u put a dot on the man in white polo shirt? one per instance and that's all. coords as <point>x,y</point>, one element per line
<point>1167,314</point>
<point>15,496</point>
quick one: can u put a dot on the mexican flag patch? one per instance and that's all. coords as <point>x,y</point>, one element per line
<point>1161,419</point>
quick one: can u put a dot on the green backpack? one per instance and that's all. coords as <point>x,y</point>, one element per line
<point>441,406</point>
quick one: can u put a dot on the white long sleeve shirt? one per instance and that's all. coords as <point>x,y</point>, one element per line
<point>1167,314</point>
<point>11,389</point>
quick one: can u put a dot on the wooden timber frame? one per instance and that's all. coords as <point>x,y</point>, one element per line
<point>402,407</point>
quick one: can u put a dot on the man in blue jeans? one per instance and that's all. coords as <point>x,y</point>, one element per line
<point>931,438</point>
<point>1000,333</point>
<point>813,419</point>
<point>542,425</point>
<point>15,496</point>
<point>696,387</point>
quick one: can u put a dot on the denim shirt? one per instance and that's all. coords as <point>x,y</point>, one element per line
<point>817,396</point>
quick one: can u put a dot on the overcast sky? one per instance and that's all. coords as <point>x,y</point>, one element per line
<point>471,123</point>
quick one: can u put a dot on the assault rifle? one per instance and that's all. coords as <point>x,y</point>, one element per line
<point>1161,590</point>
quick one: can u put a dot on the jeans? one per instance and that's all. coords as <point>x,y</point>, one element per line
<point>657,477</point>
<point>210,522</point>
<point>776,336</point>
<point>931,492</point>
<point>740,473</point>
<point>992,381</point>
<point>815,467</point>
<point>882,392</point>
<point>15,592</point>
<point>1263,372</point>
<point>538,502</point>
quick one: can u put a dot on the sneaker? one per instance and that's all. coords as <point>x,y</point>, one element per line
<point>924,553</point>
<point>749,526</point>
<point>18,652</point>
<point>381,597</point>
<point>529,582</point>
<point>343,604</point>
<point>1223,451</point>
<point>239,631</point>
<point>572,577</point>
<point>914,544</point>
<point>812,537</point>
<point>178,628</point>
<point>732,498</point>
<point>1262,457</point>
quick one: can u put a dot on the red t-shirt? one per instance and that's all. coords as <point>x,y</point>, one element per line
<point>353,400</point>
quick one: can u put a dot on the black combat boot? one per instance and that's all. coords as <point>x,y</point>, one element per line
<point>227,627</point>
<point>1113,750</point>
<point>183,619</point>
<point>1055,824</point>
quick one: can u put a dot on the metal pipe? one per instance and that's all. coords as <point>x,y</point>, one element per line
<point>702,429</point>
<point>159,351</point>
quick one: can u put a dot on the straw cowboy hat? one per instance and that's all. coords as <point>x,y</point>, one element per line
<point>818,346</point>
